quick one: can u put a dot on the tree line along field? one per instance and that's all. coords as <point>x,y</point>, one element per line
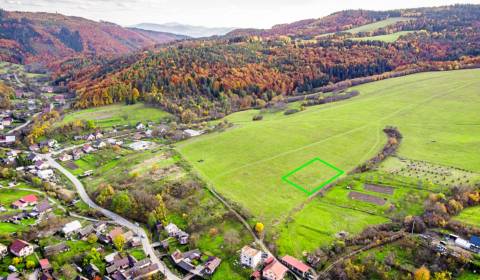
<point>436,113</point>
<point>118,114</point>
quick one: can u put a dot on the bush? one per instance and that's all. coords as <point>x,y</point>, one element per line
<point>291,111</point>
<point>257,118</point>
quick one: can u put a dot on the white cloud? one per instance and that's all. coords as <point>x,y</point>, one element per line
<point>236,13</point>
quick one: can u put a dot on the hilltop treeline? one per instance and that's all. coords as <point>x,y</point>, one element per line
<point>210,78</point>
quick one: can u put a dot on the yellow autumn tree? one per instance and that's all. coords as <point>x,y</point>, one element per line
<point>259,227</point>
<point>422,274</point>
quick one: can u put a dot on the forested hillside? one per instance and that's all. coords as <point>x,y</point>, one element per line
<point>41,37</point>
<point>210,78</point>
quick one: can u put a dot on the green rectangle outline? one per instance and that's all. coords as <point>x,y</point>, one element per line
<point>285,177</point>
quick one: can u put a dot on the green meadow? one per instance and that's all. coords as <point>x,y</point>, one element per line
<point>470,216</point>
<point>118,114</point>
<point>437,113</point>
<point>377,25</point>
<point>389,38</point>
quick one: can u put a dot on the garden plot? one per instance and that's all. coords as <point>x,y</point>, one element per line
<point>435,173</point>
<point>379,189</point>
<point>367,198</point>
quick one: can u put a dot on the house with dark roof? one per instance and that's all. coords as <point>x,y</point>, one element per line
<point>43,207</point>
<point>86,231</point>
<point>21,248</point>
<point>118,264</point>
<point>212,264</point>
<point>56,249</point>
<point>91,270</point>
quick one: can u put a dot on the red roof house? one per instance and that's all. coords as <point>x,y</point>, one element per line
<point>30,199</point>
<point>297,266</point>
<point>274,271</point>
<point>44,264</point>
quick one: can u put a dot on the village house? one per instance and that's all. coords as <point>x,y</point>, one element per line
<point>274,271</point>
<point>7,139</point>
<point>184,260</point>
<point>86,231</point>
<point>250,257</point>
<point>60,99</point>
<point>148,133</point>
<point>7,121</point>
<point>99,144</point>
<point>65,157</point>
<point>71,228</point>
<point>298,267</point>
<point>55,249</point>
<point>140,126</point>
<point>43,207</point>
<point>100,227</point>
<point>33,157</point>
<point>40,164</point>
<point>3,251</point>
<point>172,229</point>
<point>193,133</point>
<point>87,148</point>
<point>77,154</point>
<point>140,145</point>
<point>45,174</point>
<point>212,264</point>
<point>21,248</point>
<point>45,265</point>
<point>91,271</point>
<point>114,233</point>
<point>90,137</point>
<point>2,127</point>
<point>118,264</point>
<point>28,200</point>
<point>34,148</point>
<point>98,135</point>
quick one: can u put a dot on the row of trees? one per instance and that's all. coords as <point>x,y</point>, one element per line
<point>219,76</point>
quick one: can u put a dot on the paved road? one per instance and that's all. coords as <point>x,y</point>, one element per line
<point>22,126</point>
<point>147,246</point>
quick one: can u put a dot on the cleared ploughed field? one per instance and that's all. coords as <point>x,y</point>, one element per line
<point>436,112</point>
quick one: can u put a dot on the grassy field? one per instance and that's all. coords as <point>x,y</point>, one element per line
<point>118,114</point>
<point>246,163</point>
<point>377,25</point>
<point>470,216</point>
<point>389,38</point>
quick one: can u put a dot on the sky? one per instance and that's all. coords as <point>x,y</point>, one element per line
<point>211,13</point>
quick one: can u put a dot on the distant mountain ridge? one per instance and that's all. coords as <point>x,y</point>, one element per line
<point>45,37</point>
<point>185,29</point>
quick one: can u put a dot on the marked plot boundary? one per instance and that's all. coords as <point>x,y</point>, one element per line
<point>286,179</point>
